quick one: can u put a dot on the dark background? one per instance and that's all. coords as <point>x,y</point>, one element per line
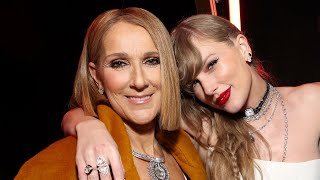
<point>41,42</point>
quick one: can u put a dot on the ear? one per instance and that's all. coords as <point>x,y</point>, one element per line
<point>243,44</point>
<point>94,74</point>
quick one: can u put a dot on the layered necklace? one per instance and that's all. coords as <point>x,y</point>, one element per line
<point>264,105</point>
<point>157,168</point>
<point>252,114</point>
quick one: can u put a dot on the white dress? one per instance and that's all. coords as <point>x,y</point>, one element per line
<point>308,170</point>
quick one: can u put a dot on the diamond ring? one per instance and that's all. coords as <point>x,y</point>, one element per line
<point>88,169</point>
<point>103,166</point>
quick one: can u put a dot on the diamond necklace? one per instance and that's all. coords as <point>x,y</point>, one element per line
<point>157,169</point>
<point>286,125</point>
<point>270,117</point>
<point>252,114</point>
<point>286,137</point>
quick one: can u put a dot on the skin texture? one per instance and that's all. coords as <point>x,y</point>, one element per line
<point>132,69</point>
<point>219,72</point>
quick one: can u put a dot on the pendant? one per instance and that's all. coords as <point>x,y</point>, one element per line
<point>249,112</point>
<point>158,171</point>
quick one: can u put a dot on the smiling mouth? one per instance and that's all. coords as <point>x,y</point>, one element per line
<point>224,97</point>
<point>139,99</point>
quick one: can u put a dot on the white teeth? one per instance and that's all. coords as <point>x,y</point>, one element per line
<point>139,98</point>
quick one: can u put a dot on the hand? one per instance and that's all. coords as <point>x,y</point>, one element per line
<point>94,141</point>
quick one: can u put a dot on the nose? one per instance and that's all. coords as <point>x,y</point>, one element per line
<point>208,86</point>
<point>208,90</point>
<point>138,78</point>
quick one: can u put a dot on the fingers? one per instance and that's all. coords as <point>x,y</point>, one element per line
<point>100,165</point>
<point>80,167</point>
<point>94,175</point>
<point>103,168</point>
<point>91,145</point>
<point>83,159</point>
<point>99,171</point>
<point>116,164</point>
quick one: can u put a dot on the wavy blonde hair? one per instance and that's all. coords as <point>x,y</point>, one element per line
<point>233,152</point>
<point>85,92</point>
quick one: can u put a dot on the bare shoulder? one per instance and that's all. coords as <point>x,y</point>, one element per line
<point>303,102</point>
<point>306,93</point>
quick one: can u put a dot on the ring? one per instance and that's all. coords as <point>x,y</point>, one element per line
<point>103,166</point>
<point>88,169</point>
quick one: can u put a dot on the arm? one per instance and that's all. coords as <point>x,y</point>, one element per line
<point>71,119</point>
<point>93,140</point>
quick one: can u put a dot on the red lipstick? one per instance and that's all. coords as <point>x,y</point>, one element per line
<point>224,97</point>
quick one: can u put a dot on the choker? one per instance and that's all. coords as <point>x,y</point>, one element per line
<point>251,114</point>
<point>157,169</point>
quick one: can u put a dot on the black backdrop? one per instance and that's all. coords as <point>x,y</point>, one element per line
<point>41,42</point>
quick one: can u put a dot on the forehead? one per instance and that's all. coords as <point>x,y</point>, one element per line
<point>128,37</point>
<point>209,46</point>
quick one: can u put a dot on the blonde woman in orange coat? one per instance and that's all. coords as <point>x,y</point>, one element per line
<point>127,77</point>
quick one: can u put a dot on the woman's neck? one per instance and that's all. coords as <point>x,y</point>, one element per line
<point>257,91</point>
<point>142,139</point>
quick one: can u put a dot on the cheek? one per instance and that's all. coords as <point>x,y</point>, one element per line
<point>115,80</point>
<point>225,72</point>
<point>198,92</point>
<point>154,76</point>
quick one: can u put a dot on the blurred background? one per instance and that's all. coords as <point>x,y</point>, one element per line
<point>41,42</point>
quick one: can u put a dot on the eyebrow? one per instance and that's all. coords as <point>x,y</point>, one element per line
<point>152,53</point>
<point>207,57</point>
<point>116,54</point>
<point>123,54</point>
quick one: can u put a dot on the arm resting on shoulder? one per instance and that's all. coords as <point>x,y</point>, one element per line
<point>93,140</point>
<point>71,119</point>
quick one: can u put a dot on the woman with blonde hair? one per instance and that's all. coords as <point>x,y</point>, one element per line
<point>127,77</point>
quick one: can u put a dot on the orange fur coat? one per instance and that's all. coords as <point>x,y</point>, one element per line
<point>57,161</point>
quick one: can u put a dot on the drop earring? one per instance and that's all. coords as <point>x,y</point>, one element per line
<point>249,59</point>
<point>101,91</point>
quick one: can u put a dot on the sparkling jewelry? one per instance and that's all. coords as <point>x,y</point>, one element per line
<point>249,59</point>
<point>157,169</point>
<point>101,91</point>
<point>286,127</point>
<point>286,124</point>
<point>102,165</point>
<point>88,169</point>
<point>269,119</point>
<point>252,114</point>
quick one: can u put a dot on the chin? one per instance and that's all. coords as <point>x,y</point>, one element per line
<point>232,110</point>
<point>143,118</point>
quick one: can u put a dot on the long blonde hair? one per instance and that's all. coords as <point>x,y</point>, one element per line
<point>234,152</point>
<point>85,92</point>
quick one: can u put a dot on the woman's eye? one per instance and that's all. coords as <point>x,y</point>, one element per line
<point>116,64</point>
<point>211,64</point>
<point>152,61</point>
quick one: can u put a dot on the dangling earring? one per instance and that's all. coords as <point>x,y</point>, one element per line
<point>101,91</point>
<point>249,59</point>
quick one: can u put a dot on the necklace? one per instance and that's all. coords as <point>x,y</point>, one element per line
<point>269,119</point>
<point>157,169</point>
<point>252,114</point>
<point>286,126</point>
